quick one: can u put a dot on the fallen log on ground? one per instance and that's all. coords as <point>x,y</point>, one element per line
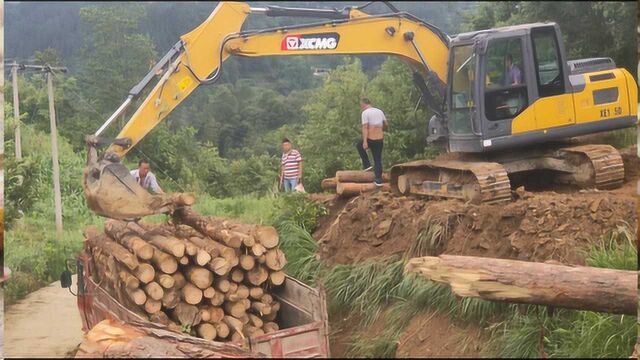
<point>572,287</point>
<point>358,176</point>
<point>352,189</point>
<point>329,184</point>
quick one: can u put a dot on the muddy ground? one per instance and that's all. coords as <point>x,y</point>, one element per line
<point>537,225</point>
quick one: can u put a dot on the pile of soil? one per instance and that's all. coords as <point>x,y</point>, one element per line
<point>537,226</point>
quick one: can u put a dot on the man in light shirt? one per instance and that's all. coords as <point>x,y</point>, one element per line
<point>373,124</point>
<point>146,178</point>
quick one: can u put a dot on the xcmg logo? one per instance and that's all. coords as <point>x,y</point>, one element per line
<point>325,41</point>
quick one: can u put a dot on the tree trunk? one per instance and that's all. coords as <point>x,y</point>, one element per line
<point>256,293</point>
<point>258,249</point>
<point>145,273</point>
<point>206,331</point>
<point>247,262</point>
<point>234,308</point>
<point>171,298</point>
<point>217,299</point>
<point>191,294</point>
<point>205,316</point>
<point>111,247</point>
<point>219,266</point>
<point>328,184</point>
<point>202,258</point>
<point>221,284</point>
<point>350,176</point>
<point>163,261</point>
<point>209,292</point>
<point>277,278</point>
<point>353,189</point>
<point>169,244</point>
<point>216,314</point>
<point>275,259</point>
<point>222,329</point>
<point>237,275</point>
<point>117,230</point>
<point>183,199</point>
<point>199,276</point>
<point>166,281</point>
<point>190,249</point>
<point>187,215</point>
<point>186,314</point>
<point>130,281</point>
<point>138,296</point>
<point>154,290</point>
<point>152,306</point>
<point>573,287</point>
<point>184,260</point>
<point>180,280</point>
<point>257,275</point>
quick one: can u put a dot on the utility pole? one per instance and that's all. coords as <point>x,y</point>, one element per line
<point>16,109</point>
<point>54,153</point>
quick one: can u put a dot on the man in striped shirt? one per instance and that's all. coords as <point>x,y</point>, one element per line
<point>290,167</point>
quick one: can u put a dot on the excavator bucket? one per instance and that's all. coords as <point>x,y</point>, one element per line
<point>112,192</point>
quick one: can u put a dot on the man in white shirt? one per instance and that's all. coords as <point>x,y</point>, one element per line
<point>373,124</point>
<point>146,178</point>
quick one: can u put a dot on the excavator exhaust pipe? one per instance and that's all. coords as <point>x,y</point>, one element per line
<point>112,192</point>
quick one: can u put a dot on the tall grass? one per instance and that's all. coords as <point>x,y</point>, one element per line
<point>301,250</point>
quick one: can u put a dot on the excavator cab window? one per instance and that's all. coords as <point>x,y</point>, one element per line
<point>505,83</point>
<point>546,57</point>
<point>462,89</point>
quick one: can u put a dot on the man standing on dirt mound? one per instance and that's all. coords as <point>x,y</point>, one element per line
<point>373,124</point>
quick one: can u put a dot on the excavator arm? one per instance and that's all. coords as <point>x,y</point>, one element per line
<point>197,59</point>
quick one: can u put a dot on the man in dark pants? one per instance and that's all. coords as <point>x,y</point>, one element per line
<point>373,124</point>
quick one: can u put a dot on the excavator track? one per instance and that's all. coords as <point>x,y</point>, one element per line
<point>477,182</point>
<point>605,165</point>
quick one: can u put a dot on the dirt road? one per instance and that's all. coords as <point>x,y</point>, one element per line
<point>44,324</point>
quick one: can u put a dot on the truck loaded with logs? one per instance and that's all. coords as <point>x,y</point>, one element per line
<point>195,277</point>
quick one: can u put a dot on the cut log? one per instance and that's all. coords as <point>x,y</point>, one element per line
<point>111,247</point>
<point>252,331</point>
<point>179,279</point>
<point>237,337</point>
<point>235,309</point>
<point>267,236</point>
<point>353,189</point>
<point>191,294</point>
<point>160,318</point>
<point>270,327</point>
<point>208,245</point>
<point>186,314</point>
<point>154,290</point>
<point>222,329</point>
<point>232,288</point>
<point>248,241</point>
<point>216,314</point>
<point>234,324</point>
<point>237,275</point>
<point>166,281</point>
<point>169,244</point>
<point>350,176</point>
<point>206,331</point>
<point>258,249</point>
<point>267,299</point>
<point>276,278</point>
<point>209,292</point>
<point>202,257</point>
<point>145,273</point>
<point>190,249</point>
<point>199,276</point>
<point>171,298</point>
<point>163,261</point>
<point>256,292</point>
<point>261,308</point>
<point>187,215</point>
<point>152,306</point>
<point>275,259</point>
<point>130,281</point>
<point>117,230</point>
<point>246,303</point>
<point>328,184</point>
<point>221,285</point>
<point>241,292</point>
<point>573,287</point>
<point>247,262</point>
<point>205,315</point>
<point>261,259</point>
<point>138,296</point>
<point>219,266</point>
<point>184,260</point>
<point>217,299</point>
<point>183,199</point>
<point>255,321</point>
<point>257,275</point>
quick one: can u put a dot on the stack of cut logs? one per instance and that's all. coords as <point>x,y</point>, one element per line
<point>348,183</point>
<point>203,275</point>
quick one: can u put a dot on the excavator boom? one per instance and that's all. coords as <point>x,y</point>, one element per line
<point>197,60</point>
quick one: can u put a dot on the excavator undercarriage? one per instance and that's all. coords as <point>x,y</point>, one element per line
<point>485,179</point>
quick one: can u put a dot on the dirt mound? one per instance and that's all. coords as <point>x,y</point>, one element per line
<point>537,226</point>
<point>435,335</point>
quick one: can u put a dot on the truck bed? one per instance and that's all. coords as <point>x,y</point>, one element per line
<point>302,318</point>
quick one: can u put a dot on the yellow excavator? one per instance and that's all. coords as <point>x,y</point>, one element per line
<point>504,100</point>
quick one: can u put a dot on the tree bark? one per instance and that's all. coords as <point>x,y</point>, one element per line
<point>353,189</point>
<point>328,184</point>
<point>350,176</point>
<point>573,287</point>
<point>186,314</point>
